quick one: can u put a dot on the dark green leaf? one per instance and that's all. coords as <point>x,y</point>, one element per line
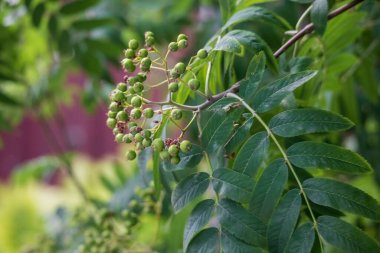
<point>88,24</point>
<point>199,217</point>
<point>309,155</point>
<point>250,84</point>
<point>302,240</point>
<point>53,25</point>
<point>77,6</point>
<point>344,236</point>
<point>206,241</point>
<point>302,1</point>
<point>188,160</point>
<point>240,223</point>
<point>304,121</point>
<point>252,154</point>
<point>268,189</point>
<point>239,135</point>
<point>8,100</point>
<point>318,15</point>
<point>341,196</point>
<point>230,244</point>
<point>38,13</point>
<point>233,185</point>
<point>272,94</point>
<point>188,189</point>
<point>283,221</point>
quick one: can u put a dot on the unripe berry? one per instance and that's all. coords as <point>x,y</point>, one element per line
<point>185,146</point>
<point>119,138</point>
<point>176,114</point>
<point>143,53</point>
<point>148,33</point>
<point>111,114</point>
<point>129,53</point>
<point>115,131</point>
<point>131,155</point>
<point>164,155</point>
<point>173,150</point>
<point>147,133</point>
<point>136,113</point>
<point>133,44</point>
<point>139,137</point>
<point>133,130</point>
<point>114,107</point>
<point>175,160</point>
<point>122,87</point>
<point>173,46</point>
<point>111,123</point>
<point>173,86</point>
<point>202,54</point>
<point>138,87</point>
<point>182,44</point>
<point>122,116</point>
<point>182,37</point>
<point>129,65</point>
<point>145,64</point>
<point>148,113</point>
<point>132,80</point>
<point>194,84</point>
<point>136,101</point>
<point>132,124</point>
<point>158,145</point>
<point>139,146</point>
<point>147,142</point>
<point>180,67</point>
<point>173,73</point>
<point>128,138</point>
<point>149,41</point>
<point>118,96</point>
<point>141,77</point>
<point>129,98</point>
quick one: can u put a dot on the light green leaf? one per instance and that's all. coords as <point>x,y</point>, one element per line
<point>309,155</point>
<point>341,196</point>
<point>272,94</point>
<point>304,121</point>
<point>8,100</point>
<point>250,84</point>
<point>240,223</point>
<point>230,244</point>
<point>205,242</point>
<point>199,217</point>
<point>78,6</point>
<point>233,185</point>
<point>344,236</point>
<point>240,134</point>
<point>318,15</point>
<point>241,4</point>
<point>188,160</point>
<point>252,154</point>
<point>268,190</point>
<point>283,221</point>
<point>188,189</point>
<point>302,239</point>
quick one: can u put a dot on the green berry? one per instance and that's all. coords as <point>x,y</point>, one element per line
<point>129,65</point>
<point>149,41</point>
<point>173,150</point>
<point>141,77</point>
<point>118,96</point>
<point>136,113</point>
<point>115,131</point>
<point>164,155</point>
<point>175,160</point>
<point>132,124</point>
<point>122,87</point>
<point>138,87</point>
<point>129,53</point>
<point>147,133</point>
<point>139,146</point>
<point>148,113</point>
<point>133,44</point>
<point>139,137</point>
<point>119,138</point>
<point>145,64</point>
<point>185,146</point>
<point>147,142</point>
<point>182,44</point>
<point>180,67</point>
<point>122,116</point>
<point>128,138</point>
<point>143,53</point>
<point>111,114</point>
<point>176,114</point>
<point>194,84</point>
<point>114,107</point>
<point>174,74</point>
<point>182,37</point>
<point>173,46</point>
<point>136,101</point>
<point>133,130</point>
<point>148,33</point>
<point>111,123</point>
<point>132,80</point>
<point>158,145</point>
<point>131,155</point>
<point>173,86</point>
<point>202,54</point>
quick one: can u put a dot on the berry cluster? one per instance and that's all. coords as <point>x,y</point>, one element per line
<point>135,119</point>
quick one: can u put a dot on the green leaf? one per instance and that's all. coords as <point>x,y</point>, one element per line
<point>302,239</point>
<point>226,8</point>
<point>344,236</point>
<point>233,185</point>
<point>304,121</point>
<point>230,244</point>
<point>206,241</point>
<point>309,155</point>
<point>188,189</point>
<point>318,15</point>
<point>53,25</point>
<point>268,189</point>
<point>78,6</point>
<point>37,14</point>
<point>199,217</point>
<point>241,4</point>
<point>240,134</point>
<point>256,13</point>
<point>283,221</point>
<point>341,196</point>
<point>252,154</point>
<point>188,160</point>
<point>240,223</point>
<point>250,84</point>
<point>88,24</point>
<point>8,100</point>
<point>272,94</point>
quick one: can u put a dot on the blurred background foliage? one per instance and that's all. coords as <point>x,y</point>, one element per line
<point>43,42</point>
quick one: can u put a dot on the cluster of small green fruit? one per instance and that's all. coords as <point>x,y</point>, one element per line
<point>129,111</point>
